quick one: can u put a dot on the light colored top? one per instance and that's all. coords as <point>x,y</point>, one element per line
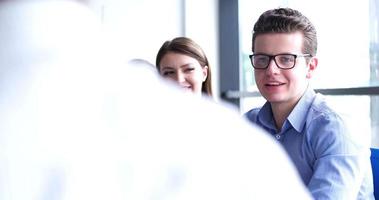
<point>330,163</point>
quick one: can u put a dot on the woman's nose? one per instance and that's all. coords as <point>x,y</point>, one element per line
<point>180,77</point>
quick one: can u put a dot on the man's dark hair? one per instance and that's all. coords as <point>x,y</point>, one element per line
<point>287,20</point>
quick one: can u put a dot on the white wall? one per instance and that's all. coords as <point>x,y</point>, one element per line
<point>141,26</point>
<point>201,24</point>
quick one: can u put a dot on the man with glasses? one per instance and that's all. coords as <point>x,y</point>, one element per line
<point>330,162</point>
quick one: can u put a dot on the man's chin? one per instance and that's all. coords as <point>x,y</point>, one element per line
<point>274,99</point>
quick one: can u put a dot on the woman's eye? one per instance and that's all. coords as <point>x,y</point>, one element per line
<point>167,73</point>
<point>189,69</point>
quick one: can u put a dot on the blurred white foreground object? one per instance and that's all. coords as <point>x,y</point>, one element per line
<point>73,126</point>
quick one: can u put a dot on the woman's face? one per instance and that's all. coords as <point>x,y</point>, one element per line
<point>184,70</point>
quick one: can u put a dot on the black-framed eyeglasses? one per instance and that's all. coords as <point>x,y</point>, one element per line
<point>282,61</point>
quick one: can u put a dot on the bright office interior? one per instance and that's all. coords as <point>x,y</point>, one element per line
<point>348,45</point>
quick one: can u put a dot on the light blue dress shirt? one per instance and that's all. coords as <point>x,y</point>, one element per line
<point>330,163</point>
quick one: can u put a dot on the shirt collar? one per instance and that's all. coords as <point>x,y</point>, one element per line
<point>297,117</point>
<point>265,116</point>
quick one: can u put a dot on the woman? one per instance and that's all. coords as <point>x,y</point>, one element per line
<point>183,61</point>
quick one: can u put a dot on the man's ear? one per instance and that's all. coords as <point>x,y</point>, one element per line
<point>205,73</point>
<point>312,65</point>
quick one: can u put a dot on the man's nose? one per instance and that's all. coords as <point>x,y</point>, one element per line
<point>272,67</point>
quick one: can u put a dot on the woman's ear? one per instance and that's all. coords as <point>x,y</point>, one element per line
<point>205,73</point>
<point>312,65</point>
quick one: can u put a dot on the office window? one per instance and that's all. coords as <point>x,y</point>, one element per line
<point>348,52</point>
<point>139,28</point>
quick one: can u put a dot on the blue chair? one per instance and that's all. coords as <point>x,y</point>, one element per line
<point>375,170</point>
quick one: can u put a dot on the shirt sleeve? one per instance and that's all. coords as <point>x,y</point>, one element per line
<point>339,165</point>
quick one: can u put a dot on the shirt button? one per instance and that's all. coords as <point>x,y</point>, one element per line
<point>278,136</point>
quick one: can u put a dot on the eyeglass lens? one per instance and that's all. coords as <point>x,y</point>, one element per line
<point>284,61</point>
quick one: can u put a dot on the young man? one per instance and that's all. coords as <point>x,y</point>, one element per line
<point>330,163</point>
